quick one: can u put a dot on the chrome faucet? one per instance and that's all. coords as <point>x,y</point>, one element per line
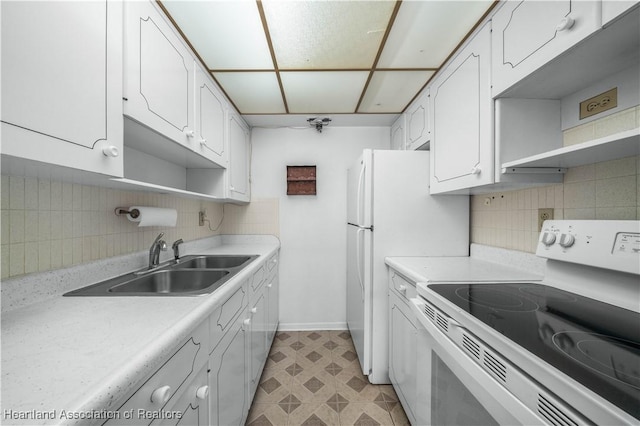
<point>175,247</point>
<point>154,251</point>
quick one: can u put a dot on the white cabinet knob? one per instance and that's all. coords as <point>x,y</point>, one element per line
<point>565,24</point>
<point>161,395</point>
<point>203,142</point>
<point>247,322</point>
<point>476,170</point>
<point>111,151</point>
<point>202,392</point>
<point>254,310</point>
<point>402,288</point>
<point>269,285</point>
<point>189,133</point>
<point>567,240</point>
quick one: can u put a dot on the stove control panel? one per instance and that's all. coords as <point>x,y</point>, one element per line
<point>609,244</point>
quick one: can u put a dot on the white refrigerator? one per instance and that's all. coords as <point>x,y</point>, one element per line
<point>390,213</point>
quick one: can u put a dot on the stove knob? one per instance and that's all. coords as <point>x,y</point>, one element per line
<point>548,238</point>
<point>567,240</point>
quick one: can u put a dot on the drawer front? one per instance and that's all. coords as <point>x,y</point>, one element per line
<point>222,319</point>
<point>403,288</point>
<point>157,393</point>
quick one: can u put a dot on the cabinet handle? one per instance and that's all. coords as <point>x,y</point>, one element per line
<point>254,310</point>
<point>203,142</point>
<point>269,285</point>
<point>476,170</point>
<point>247,322</point>
<point>202,392</point>
<point>189,133</point>
<point>402,288</point>
<point>111,151</point>
<point>565,24</point>
<point>161,395</point>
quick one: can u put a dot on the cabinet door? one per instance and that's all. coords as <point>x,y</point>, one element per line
<point>62,83</point>
<point>418,131</point>
<point>159,72</point>
<point>229,378</point>
<point>402,353</point>
<point>239,187</point>
<point>273,308</point>
<point>192,407</point>
<point>527,34</point>
<point>258,341</point>
<point>397,133</point>
<point>210,116</point>
<point>462,119</point>
<point>611,9</point>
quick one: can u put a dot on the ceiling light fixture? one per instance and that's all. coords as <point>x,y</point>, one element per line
<point>319,122</point>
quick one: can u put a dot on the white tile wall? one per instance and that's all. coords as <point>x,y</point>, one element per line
<point>50,224</point>
<point>606,190</point>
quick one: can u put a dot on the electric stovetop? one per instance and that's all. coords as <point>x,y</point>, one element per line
<point>595,343</point>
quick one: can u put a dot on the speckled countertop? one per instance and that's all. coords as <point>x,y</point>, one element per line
<point>85,353</point>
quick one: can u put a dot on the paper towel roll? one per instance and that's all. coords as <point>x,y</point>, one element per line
<point>154,216</point>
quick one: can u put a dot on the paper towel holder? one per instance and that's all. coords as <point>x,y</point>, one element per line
<point>134,213</point>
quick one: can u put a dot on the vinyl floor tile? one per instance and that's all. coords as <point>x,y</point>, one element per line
<point>313,378</point>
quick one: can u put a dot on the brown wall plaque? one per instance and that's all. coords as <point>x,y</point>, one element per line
<point>301,180</point>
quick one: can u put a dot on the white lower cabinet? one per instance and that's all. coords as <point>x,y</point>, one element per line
<point>229,377</point>
<point>402,344</point>
<point>257,339</point>
<point>172,389</point>
<point>192,408</point>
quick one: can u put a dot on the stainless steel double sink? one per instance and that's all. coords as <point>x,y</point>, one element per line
<point>190,276</point>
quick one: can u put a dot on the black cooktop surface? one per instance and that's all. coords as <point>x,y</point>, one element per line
<point>595,343</point>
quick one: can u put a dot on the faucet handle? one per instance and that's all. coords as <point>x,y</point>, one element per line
<point>175,247</point>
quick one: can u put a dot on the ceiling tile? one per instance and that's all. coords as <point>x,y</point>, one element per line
<point>327,34</point>
<point>323,92</point>
<point>425,32</point>
<point>391,91</point>
<point>226,34</point>
<point>253,92</point>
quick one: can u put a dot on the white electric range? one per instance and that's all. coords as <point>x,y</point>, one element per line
<point>561,351</point>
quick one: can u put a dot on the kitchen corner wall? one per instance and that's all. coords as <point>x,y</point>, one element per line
<point>312,227</point>
<point>49,224</point>
<point>605,190</point>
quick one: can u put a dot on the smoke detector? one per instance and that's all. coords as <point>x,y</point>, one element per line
<point>318,122</point>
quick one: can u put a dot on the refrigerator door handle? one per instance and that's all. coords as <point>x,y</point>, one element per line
<point>360,194</point>
<point>358,262</point>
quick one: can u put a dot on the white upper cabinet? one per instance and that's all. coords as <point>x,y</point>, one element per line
<point>398,133</point>
<point>239,161</point>
<point>418,130</point>
<point>527,34</point>
<point>462,117</point>
<point>159,74</point>
<point>210,112</point>
<point>62,83</point>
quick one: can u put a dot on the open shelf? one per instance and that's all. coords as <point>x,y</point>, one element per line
<point>619,145</point>
<point>145,186</point>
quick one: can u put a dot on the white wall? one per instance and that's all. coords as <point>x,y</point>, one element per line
<point>312,228</point>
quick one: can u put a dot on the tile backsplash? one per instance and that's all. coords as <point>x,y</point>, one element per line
<point>48,224</point>
<point>605,190</point>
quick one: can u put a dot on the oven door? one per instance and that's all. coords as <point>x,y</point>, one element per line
<point>454,390</point>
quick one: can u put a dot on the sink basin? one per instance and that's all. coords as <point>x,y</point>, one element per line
<point>212,262</point>
<point>192,276</point>
<point>173,281</point>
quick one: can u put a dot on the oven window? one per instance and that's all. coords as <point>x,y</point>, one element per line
<point>451,402</point>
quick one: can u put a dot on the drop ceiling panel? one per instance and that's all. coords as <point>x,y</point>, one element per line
<point>323,92</point>
<point>253,92</point>
<point>391,91</point>
<point>426,32</point>
<point>226,34</point>
<point>326,34</point>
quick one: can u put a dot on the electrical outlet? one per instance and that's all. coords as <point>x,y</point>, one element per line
<point>201,217</point>
<point>600,103</point>
<point>544,214</point>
